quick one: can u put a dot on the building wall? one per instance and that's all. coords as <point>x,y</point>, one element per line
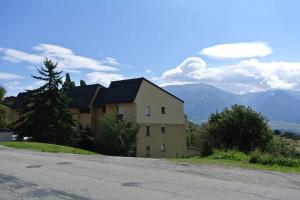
<point>173,121</point>
<point>174,140</point>
<point>83,119</point>
<point>152,96</point>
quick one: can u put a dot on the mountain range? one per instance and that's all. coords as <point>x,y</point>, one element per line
<point>281,107</point>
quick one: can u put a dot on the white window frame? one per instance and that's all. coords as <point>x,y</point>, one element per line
<point>163,148</point>
<point>147,111</point>
<point>163,108</point>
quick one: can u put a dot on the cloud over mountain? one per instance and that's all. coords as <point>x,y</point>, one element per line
<point>245,76</point>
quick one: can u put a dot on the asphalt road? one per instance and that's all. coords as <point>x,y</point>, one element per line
<point>33,175</point>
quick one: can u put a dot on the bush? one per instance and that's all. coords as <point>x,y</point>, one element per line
<point>240,128</point>
<point>278,147</point>
<point>203,141</point>
<point>118,137</point>
<point>258,157</point>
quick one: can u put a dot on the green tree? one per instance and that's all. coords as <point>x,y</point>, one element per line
<point>192,131</point>
<point>3,109</point>
<point>2,93</point>
<point>87,139</point>
<point>46,117</point>
<point>82,83</point>
<point>118,137</point>
<point>68,84</point>
<point>238,127</point>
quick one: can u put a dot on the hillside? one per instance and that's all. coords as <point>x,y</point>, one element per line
<point>281,107</point>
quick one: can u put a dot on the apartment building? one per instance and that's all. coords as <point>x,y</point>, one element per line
<point>159,113</point>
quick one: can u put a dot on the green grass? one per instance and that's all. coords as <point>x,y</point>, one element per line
<point>234,159</point>
<point>44,147</point>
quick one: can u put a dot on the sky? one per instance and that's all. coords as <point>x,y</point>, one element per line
<point>238,46</point>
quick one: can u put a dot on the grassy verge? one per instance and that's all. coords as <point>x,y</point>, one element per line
<point>43,147</point>
<point>236,159</point>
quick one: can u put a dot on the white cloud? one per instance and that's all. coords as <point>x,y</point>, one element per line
<point>148,71</point>
<point>245,76</point>
<point>15,56</point>
<point>103,78</point>
<point>238,50</point>
<point>65,58</point>
<point>111,61</point>
<point>8,76</point>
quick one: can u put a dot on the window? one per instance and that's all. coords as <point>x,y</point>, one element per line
<point>147,130</point>
<point>147,148</point>
<point>163,110</point>
<point>104,109</point>
<point>120,110</point>
<point>147,111</point>
<point>163,129</point>
<point>120,117</point>
<point>162,148</point>
<point>84,110</point>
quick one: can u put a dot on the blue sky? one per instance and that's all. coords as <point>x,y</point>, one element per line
<point>166,41</point>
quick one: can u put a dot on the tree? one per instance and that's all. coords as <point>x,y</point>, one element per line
<point>2,93</point>
<point>238,127</point>
<point>118,137</point>
<point>46,117</point>
<point>82,83</point>
<point>192,130</point>
<point>87,139</point>
<point>3,109</point>
<point>68,84</point>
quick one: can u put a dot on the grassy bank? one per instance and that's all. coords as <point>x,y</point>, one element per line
<point>236,159</point>
<point>43,147</point>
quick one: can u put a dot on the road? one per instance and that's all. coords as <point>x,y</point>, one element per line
<point>35,175</point>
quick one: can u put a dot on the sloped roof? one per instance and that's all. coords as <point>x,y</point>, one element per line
<point>80,97</point>
<point>123,91</point>
<point>8,101</point>
<point>21,100</point>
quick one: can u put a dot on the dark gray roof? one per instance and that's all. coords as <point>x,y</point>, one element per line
<point>21,100</point>
<point>80,97</point>
<point>123,91</point>
<point>8,101</point>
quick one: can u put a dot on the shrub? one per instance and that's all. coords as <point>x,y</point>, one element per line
<point>203,141</point>
<point>278,147</point>
<point>118,137</point>
<point>258,157</point>
<point>240,128</point>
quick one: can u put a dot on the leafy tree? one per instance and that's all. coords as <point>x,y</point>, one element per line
<point>82,83</point>
<point>2,93</point>
<point>68,84</point>
<point>117,137</point>
<point>238,127</point>
<point>3,109</point>
<point>46,117</point>
<point>87,139</point>
<point>192,131</point>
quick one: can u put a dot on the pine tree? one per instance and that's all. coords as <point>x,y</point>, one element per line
<point>82,83</point>
<point>3,109</point>
<point>46,117</point>
<point>68,84</point>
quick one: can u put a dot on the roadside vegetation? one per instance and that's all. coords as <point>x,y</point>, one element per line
<point>240,136</point>
<point>232,158</point>
<point>43,147</point>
